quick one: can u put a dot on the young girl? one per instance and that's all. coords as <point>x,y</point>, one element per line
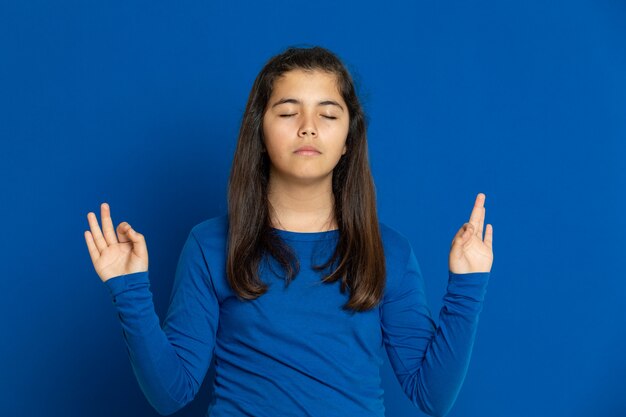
<point>297,289</point>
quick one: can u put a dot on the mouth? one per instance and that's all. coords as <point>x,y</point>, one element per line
<point>307,152</point>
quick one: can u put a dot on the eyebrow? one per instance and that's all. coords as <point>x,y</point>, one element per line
<point>294,101</point>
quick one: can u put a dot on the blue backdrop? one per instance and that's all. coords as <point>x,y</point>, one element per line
<point>139,103</point>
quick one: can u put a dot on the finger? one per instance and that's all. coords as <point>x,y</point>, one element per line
<point>122,232</point>
<point>107,224</point>
<point>477,217</point>
<point>481,219</point>
<point>459,236</point>
<point>100,243</point>
<point>467,236</point>
<point>489,236</point>
<point>139,242</point>
<point>94,253</point>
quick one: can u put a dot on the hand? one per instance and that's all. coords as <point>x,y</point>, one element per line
<point>112,257</point>
<point>469,253</point>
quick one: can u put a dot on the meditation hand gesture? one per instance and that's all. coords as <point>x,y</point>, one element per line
<point>469,252</point>
<point>114,255</point>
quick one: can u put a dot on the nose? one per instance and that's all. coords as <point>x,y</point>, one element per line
<point>307,128</point>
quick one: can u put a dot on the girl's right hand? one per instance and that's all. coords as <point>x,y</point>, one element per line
<point>114,255</point>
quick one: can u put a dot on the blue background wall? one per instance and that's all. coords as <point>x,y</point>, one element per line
<point>139,103</point>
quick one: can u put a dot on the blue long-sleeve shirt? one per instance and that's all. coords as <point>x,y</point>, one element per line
<point>294,351</point>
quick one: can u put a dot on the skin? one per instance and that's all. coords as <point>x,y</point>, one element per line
<point>300,187</point>
<point>126,252</point>
<point>469,252</point>
<point>112,254</point>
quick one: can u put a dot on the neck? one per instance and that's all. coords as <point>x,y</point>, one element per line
<point>302,207</point>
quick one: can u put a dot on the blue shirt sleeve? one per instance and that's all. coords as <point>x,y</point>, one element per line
<point>170,362</point>
<point>430,362</point>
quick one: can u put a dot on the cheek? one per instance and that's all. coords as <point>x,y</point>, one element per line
<point>342,128</point>
<point>269,135</point>
<point>276,142</point>
<point>342,133</point>
<point>279,136</point>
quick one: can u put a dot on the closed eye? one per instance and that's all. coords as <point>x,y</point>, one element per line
<point>289,115</point>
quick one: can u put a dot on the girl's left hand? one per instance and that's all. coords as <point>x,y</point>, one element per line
<point>469,252</point>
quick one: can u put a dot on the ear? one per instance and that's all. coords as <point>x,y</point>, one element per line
<point>345,149</point>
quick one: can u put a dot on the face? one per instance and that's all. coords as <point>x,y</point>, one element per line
<point>305,109</point>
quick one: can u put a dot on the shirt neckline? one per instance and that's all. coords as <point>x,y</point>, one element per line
<point>306,236</point>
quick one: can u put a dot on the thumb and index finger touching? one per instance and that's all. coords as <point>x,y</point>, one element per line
<point>97,241</point>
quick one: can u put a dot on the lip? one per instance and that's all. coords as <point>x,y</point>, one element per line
<point>307,150</point>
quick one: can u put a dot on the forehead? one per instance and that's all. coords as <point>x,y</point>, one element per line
<point>311,82</point>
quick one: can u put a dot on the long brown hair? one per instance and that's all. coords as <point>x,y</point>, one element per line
<point>358,257</point>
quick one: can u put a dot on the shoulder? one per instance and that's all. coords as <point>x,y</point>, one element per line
<point>213,225</point>
<point>392,236</point>
<point>211,237</point>
<point>396,244</point>
<point>212,233</point>
<point>398,256</point>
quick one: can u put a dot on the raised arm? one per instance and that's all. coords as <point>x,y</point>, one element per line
<point>431,362</point>
<point>170,362</point>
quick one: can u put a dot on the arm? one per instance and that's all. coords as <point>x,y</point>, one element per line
<point>431,362</point>
<point>169,362</point>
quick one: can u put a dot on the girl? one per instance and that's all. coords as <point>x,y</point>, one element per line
<point>297,289</point>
